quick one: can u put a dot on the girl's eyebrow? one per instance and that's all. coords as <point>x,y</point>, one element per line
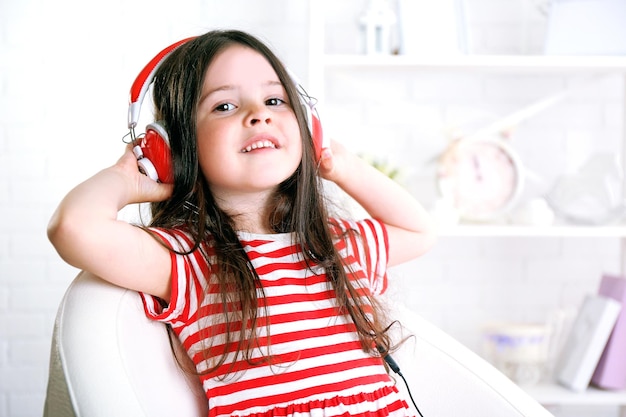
<point>226,87</point>
<point>230,87</point>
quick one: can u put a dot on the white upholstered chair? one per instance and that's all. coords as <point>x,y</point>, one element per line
<point>108,359</point>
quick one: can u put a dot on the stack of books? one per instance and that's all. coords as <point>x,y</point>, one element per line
<point>595,350</point>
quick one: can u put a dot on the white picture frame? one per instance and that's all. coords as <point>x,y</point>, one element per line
<point>586,27</point>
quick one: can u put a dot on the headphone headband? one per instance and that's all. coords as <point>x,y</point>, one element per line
<point>144,79</point>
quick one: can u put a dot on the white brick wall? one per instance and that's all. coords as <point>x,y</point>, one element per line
<point>65,70</point>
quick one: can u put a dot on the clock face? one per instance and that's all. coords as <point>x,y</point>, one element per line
<point>480,177</point>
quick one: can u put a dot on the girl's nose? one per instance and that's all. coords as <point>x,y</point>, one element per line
<point>256,121</point>
<point>259,114</point>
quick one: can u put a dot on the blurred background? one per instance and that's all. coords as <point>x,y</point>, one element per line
<point>398,81</point>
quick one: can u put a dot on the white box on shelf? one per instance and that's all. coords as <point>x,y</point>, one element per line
<point>429,28</point>
<point>586,27</point>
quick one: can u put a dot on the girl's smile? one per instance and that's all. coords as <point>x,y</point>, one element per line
<point>260,142</point>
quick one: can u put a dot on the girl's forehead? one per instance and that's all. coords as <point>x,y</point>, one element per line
<point>239,64</point>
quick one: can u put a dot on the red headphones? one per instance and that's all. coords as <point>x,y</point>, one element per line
<point>153,150</point>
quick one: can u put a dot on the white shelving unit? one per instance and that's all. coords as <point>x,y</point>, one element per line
<point>489,230</point>
<point>496,63</point>
<point>552,394</point>
<point>321,63</point>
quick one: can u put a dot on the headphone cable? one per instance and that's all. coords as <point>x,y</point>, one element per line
<point>410,395</point>
<point>394,367</point>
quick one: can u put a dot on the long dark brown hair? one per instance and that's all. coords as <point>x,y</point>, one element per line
<point>298,206</point>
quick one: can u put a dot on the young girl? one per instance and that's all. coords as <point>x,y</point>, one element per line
<point>272,299</point>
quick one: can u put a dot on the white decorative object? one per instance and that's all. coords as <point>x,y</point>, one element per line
<point>535,212</point>
<point>483,178</point>
<point>592,195</point>
<point>430,27</point>
<point>378,20</point>
<point>520,350</point>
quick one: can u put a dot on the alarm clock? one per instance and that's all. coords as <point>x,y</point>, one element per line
<point>481,178</point>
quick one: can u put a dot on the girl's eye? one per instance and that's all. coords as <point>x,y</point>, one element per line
<point>275,101</point>
<point>224,107</point>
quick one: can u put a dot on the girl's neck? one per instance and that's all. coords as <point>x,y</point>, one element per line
<point>251,228</point>
<point>249,214</point>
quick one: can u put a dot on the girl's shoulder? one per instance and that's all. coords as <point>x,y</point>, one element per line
<point>181,239</point>
<point>343,226</point>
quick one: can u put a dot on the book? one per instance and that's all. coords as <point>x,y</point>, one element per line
<point>586,341</point>
<point>611,370</point>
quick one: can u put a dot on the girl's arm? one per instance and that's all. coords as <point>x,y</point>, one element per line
<point>86,233</point>
<point>410,228</point>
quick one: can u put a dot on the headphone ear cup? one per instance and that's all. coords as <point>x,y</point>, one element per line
<point>156,158</point>
<point>147,168</point>
<point>318,136</point>
<point>312,117</point>
<point>315,128</point>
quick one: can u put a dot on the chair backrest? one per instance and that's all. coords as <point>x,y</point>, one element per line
<point>108,359</point>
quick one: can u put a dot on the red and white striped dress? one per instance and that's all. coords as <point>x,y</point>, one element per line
<point>318,367</point>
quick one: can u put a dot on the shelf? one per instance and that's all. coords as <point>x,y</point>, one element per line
<point>322,64</point>
<point>490,230</point>
<point>551,394</point>
<point>538,63</point>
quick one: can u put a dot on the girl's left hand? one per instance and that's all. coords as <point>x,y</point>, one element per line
<point>410,229</point>
<point>333,161</point>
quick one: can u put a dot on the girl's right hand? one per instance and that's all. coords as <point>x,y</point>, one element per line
<point>141,188</point>
<point>86,231</point>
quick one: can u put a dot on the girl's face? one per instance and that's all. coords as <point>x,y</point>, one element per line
<point>248,136</point>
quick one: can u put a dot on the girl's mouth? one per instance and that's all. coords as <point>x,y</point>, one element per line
<point>259,145</point>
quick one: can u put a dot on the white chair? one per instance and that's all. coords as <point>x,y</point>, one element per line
<point>108,359</point>
<point>448,379</point>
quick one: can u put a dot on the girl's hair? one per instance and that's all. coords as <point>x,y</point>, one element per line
<point>298,206</point>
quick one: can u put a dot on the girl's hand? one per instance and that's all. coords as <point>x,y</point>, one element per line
<point>86,232</point>
<point>333,162</point>
<point>140,187</point>
<point>410,229</point>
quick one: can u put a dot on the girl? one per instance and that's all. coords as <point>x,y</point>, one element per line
<point>272,299</point>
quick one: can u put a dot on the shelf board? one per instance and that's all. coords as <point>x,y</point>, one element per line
<point>491,230</point>
<point>541,63</point>
<point>552,394</point>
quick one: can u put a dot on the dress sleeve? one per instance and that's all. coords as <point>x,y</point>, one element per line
<point>370,248</point>
<point>186,272</point>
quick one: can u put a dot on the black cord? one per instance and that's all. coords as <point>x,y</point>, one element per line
<point>394,367</point>
<point>410,395</point>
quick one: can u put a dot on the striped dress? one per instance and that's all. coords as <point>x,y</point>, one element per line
<point>317,366</point>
